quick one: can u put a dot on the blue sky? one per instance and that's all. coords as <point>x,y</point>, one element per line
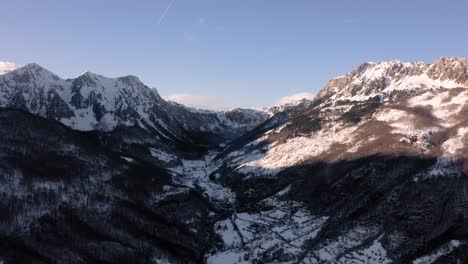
<point>230,53</point>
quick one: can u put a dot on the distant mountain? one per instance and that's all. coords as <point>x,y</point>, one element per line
<point>374,169</point>
<point>94,102</point>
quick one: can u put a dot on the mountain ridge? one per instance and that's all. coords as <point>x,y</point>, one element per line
<point>92,101</point>
<point>380,160</point>
<point>372,170</point>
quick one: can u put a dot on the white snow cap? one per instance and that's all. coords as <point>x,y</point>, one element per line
<point>6,66</point>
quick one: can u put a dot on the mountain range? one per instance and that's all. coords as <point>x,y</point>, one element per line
<point>103,170</point>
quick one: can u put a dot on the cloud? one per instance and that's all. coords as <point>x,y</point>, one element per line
<point>6,66</point>
<point>196,101</point>
<point>295,97</point>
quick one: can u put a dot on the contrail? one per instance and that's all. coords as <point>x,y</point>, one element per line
<point>165,12</point>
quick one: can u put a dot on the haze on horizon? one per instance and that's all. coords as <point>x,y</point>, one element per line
<point>228,53</point>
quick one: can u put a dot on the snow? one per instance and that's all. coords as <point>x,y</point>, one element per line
<point>443,250</point>
<point>401,121</point>
<point>444,167</point>
<point>453,145</point>
<point>250,117</point>
<point>375,253</point>
<point>418,81</point>
<point>249,236</point>
<point>259,158</point>
<point>113,95</point>
<point>443,105</point>
<point>127,159</point>
<point>84,120</point>
<point>162,156</point>
<point>107,122</point>
<point>196,173</point>
<point>411,76</point>
<point>228,234</point>
<point>294,151</point>
<point>169,190</point>
<point>415,82</point>
<point>391,115</point>
<point>161,260</point>
<point>347,248</point>
<point>45,81</point>
<point>282,226</point>
<point>228,257</point>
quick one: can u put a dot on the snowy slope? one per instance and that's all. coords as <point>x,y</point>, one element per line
<point>398,103</point>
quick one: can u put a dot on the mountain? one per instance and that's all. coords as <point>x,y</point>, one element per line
<point>94,102</point>
<point>378,161</point>
<point>404,106</point>
<point>372,170</point>
<point>66,198</point>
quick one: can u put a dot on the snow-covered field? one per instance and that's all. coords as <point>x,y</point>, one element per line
<point>196,173</point>
<point>278,233</point>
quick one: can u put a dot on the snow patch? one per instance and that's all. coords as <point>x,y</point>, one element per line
<point>443,250</point>
<point>292,152</point>
<point>283,229</point>
<point>162,156</point>
<point>453,145</point>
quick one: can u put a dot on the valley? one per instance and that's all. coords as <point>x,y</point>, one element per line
<point>103,170</point>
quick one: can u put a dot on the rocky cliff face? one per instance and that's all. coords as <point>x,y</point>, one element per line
<point>374,170</point>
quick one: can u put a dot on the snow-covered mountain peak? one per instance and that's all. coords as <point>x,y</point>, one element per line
<point>92,76</point>
<point>450,68</point>
<point>451,60</point>
<point>385,108</point>
<point>131,78</point>
<point>295,105</point>
<point>87,79</point>
<point>32,72</point>
<point>32,68</point>
<point>95,102</point>
<point>389,79</point>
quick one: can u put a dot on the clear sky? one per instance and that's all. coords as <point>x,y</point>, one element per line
<point>228,52</point>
